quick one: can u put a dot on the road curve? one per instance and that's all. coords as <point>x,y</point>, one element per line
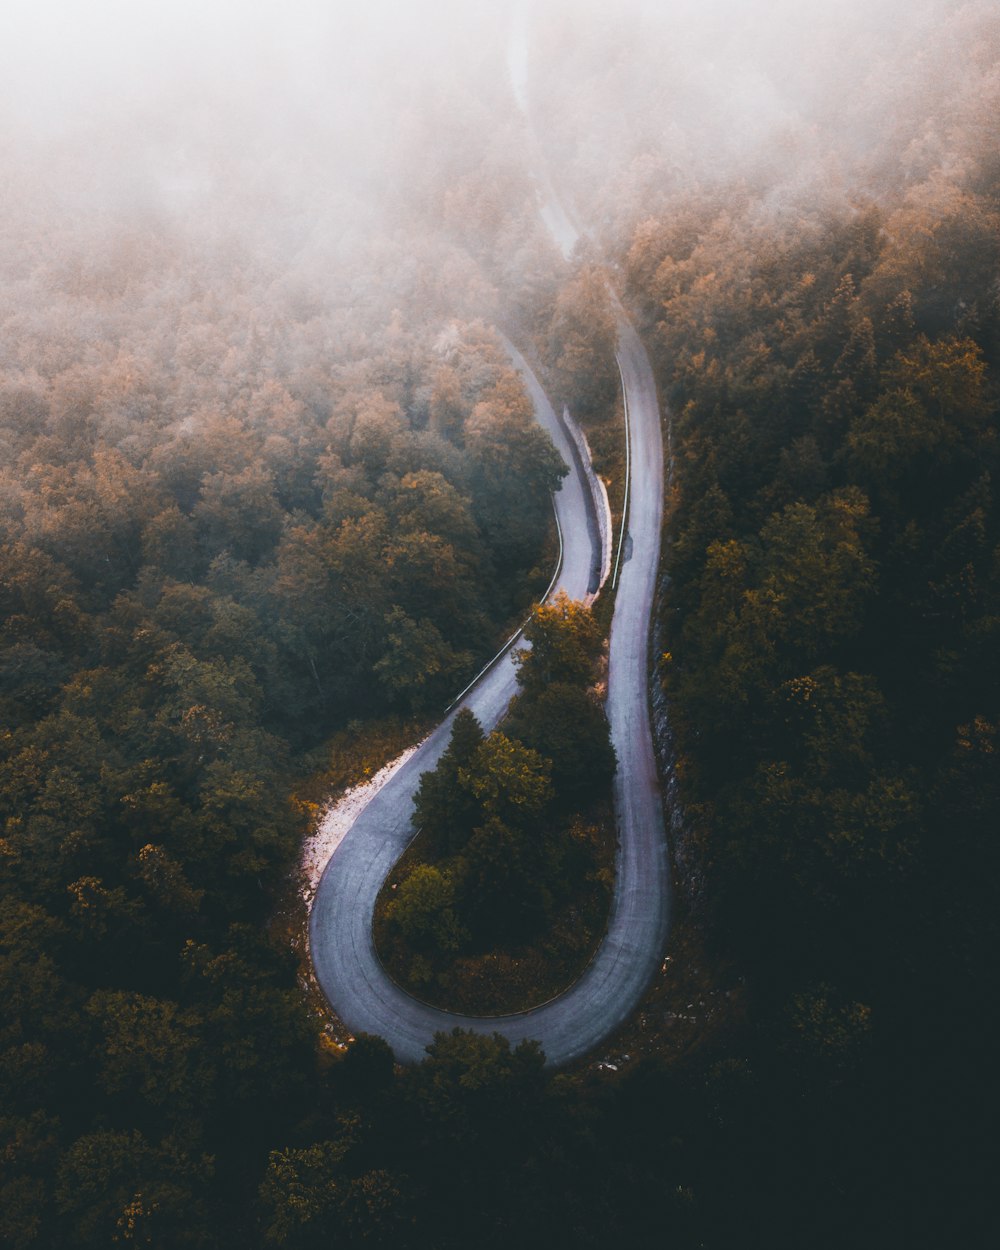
<point>340,923</point>
<point>568,1027</point>
<point>343,950</point>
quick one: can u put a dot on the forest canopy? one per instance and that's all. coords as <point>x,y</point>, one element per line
<point>267,476</point>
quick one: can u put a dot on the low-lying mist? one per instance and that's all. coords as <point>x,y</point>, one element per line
<point>271,494</point>
<point>806,104</point>
<point>302,111</point>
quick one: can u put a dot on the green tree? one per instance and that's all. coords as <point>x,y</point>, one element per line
<point>886,439</point>
<point>444,808</point>
<point>301,1192</point>
<point>567,726</point>
<point>827,1033</point>
<point>116,1186</point>
<point>151,1050</point>
<point>423,911</point>
<point>503,896</point>
<point>313,1196</point>
<point>816,574</point>
<point>426,502</point>
<point>583,337</point>
<point>476,1092</point>
<point>418,663</point>
<point>515,469</point>
<point>511,781</point>
<point>367,1070</point>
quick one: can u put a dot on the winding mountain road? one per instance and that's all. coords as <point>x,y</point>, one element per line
<point>343,952</point>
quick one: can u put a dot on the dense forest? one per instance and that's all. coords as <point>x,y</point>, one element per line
<point>505,894</point>
<point>268,477</point>
<point>831,629</point>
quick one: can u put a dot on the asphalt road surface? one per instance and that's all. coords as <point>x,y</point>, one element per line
<point>574,1024</point>
<point>343,951</point>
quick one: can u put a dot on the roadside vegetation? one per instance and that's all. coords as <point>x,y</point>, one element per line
<point>256,492</point>
<point>831,637</point>
<point>252,498</point>
<point>502,899</point>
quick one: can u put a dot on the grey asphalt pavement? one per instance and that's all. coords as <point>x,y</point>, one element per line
<point>343,952</point>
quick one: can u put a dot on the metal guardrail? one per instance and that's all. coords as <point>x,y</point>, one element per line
<point>628,474</point>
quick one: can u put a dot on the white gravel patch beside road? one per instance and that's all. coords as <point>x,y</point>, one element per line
<point>337,820</point>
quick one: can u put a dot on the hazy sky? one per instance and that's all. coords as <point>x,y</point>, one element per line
<point>61,57</point>
<point>329,84</point>
<point>57,56</point>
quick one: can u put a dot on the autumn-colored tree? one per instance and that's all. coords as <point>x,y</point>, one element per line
<point>565,642</point>
<point>510,781</point>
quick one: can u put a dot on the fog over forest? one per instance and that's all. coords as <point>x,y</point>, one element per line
<point>272,492</point>
<point>303,111</point>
